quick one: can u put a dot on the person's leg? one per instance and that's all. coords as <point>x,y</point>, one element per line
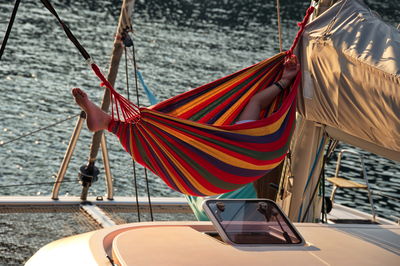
<point>96,118</point>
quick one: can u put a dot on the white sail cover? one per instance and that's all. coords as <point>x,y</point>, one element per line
<point>351,75</point>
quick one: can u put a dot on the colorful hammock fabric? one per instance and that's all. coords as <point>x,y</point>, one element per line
<point>192,142</point>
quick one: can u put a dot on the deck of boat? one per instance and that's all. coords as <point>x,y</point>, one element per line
<point>31,222</point>
<point>187,243</point>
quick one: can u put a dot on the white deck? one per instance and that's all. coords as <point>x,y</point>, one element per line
<point>152,243</point>
<point>184,243</point>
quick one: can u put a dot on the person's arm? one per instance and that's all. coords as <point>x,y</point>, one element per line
<point>264,98</point>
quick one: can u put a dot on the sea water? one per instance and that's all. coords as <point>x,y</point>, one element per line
<point>179,45</point>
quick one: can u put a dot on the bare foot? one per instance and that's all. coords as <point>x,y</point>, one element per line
<point>96,118</point>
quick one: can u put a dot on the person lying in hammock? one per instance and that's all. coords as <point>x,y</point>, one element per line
<point>97,119</point>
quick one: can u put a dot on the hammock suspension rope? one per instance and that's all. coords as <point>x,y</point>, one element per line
<point>278,15</point>
<point>302,26</point>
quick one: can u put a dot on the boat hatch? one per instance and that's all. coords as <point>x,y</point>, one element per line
<point>251,222</point>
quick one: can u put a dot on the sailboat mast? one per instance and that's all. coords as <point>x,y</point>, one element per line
<point>124,24</point>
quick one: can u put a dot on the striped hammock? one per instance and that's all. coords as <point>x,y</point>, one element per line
<point>192,142</point>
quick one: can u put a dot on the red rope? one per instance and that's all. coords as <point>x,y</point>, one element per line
<point>302,26</point>
<point>129,111</point>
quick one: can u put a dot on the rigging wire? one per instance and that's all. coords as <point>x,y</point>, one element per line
<point>37,130</point>
<point>127,40</point>
<point>9,27</point>
<point>138,104</point>
<point>135,71</point>
<point>133,161</point>
<point>37,184</point>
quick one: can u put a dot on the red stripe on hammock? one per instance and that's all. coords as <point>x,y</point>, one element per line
<point>201,180</point>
